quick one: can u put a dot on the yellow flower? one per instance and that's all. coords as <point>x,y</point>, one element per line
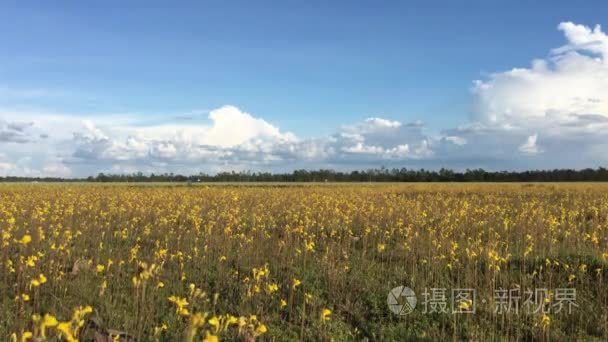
<point>325,314</point>
<point>261,329</point>
<point>180,304</point>
<point>65,330</point>
<point>27,238</point>
<point>271,288</point>
<point>295,283</point>
<point>465,304</point>
<point>49,321</point>
<point>39,281</point>
<point>31,261</point>
<point>100,268</point>
<point>283,303</point>
<point>545,320</point>
<point>26,336</point>
<point>80,312</point>
<point>136,281</point>
<point>381,247</point>
<point>214,322</point>
<point>230,320</point>
<point>210,338</point>
<point>197,320</point>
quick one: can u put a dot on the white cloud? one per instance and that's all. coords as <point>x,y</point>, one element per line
<point>563,98</point>
<point>229,130</point>
<point>378,140</point>
<point>65,144</point>
<point>530,146</point>
<point>573,81</point>
<point>381,123</point>
<point>232,127</point>
<point>359,148</point>
<point>583,37</point>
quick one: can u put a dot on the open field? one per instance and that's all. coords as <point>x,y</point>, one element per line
<point>303,262</point>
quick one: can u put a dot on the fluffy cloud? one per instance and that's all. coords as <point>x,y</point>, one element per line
<point>230,130</point>
<point>572,82</point>
<point>231,139</point>
<point>560,101</point>
<point>234,137</point>
<point>378,139</point>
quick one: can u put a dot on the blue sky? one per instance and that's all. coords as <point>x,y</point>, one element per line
<point>308,68</point>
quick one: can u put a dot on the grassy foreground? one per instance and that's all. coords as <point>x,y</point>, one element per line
<point>84,262</point>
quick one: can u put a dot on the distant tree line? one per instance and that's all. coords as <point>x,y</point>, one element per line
<point>370,175</point>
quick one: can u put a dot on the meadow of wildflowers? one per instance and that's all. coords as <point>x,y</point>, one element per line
<point>301,262</point>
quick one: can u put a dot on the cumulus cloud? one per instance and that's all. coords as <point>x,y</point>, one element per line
<point>379,139</point>
<point>235,137</point>
<point>229,139</point>
<point>562,98</point>
<point>583,37</point>
<point>573,81</point>
<point>229,130</point>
